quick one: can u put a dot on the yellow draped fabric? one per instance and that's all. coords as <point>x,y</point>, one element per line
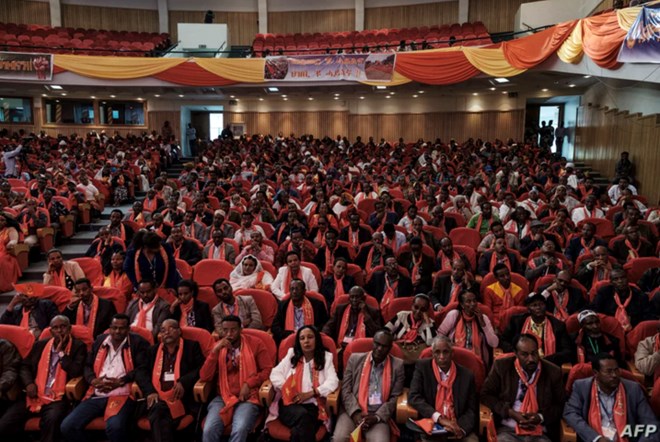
<point>115,68</point>
<point>397,80</point>
<point>627,16</point>
<point>491,61</point>
<point>243,70</point>
<point>571,50</point>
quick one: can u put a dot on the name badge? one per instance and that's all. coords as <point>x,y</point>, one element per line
<point>169,377</point>
<point>375,398</point>
<point>609,432</point>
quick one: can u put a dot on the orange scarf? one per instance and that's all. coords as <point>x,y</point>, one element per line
<point>460,333</point>
<point>494,261</point>
<point>529,403</point>
<point>548,343</point>
<point>150,205</point>
<point>139,219</point>
<point>619,412</point>
<point>80,314</point>
<point>415,270</point>
<point>390,292</point>
<point>247,366</point>
<point>57,390</point>
<point>115,403</point>
<point>370,258</point>
<point>58,278</point>
<point>166,263</point>
<point>293,385</point>
<point>308,315</point>
<point>237,309</point>
<point>621,314</point>
<point>185,311</point>
<point>411,335</point>
<point>605,275</point>
<point>142,312</point>
<point>328,261</point>
<point>221,254</point>
<point>176,406</point>
<point>289,278</point>
<point>587,248</point>
<point>580,347</point>
<point>633,252</point>
<point>560,307</point>
<point>507,299</point>
<point>444,397</point>
<point>445,261</point>
<point>360,329</point>
<point>122,233</point>
<point>25,319</point>
<point>339,287</point>
<point>354,237</point>
<point>386,384</point>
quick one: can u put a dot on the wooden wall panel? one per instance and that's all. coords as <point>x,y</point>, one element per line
<point>24,12</point>
<point>339,20</point>
<point>243,26</point>
<point>497,15</point>
<point>426,14</point>
<point>112,19</point>
<point>155,120</point>
<point>602,134</point>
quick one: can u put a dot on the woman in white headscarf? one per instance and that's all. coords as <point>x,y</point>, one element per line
<point>250,274</point>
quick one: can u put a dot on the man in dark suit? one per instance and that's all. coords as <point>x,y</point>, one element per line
<point>389,280</point>
<point>110,379</point>
<point>173,394</point>
<point>184,248</point>
<point>632,246</point>
<point>441,376</point>
<point>313,312</point>
<point>446,288</point>
<point>594,270</point>
<point>373,253</point>
<point>45,386</point>
<point>438,219</point>
<point>562,298</point>
<point>609,297</point>
<point>330,250</point>
<point>584,243</point>
<point>376,412</point>
<point>147,310</point>
<point>591,340</point>
<point>353,320</point>
<point>506,393</point>
<point>354,233</point>
<point>487,262</point>
<point>554,343</point>
<point>604,419</point>
<point>381,216</point>
<point>420,266</point>
<point>329,288</point>
<point>103,247</point>
<point>27,302</point>
<point>94,313</point>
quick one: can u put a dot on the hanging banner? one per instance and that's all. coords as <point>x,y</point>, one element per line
<point>352,67</point>
<point>642,44</point>
<point>26,67</point>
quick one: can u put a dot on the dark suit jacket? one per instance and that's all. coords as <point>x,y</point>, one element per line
<point>483,266</point>
<point>501,387</point>
<point>423,389</point>
<point>638,410</point>
<point>279,332</point>
<point>361,258</point>
<point>103,315</point>
<point>427,267</point>
<point>376,286</point>
<point>638,310</point>
<point>390,217</point>
<point>373,321</point>
<point>328,287</point>
<point>43,311</point>
<point>350,386</point>
<point>192,360</point>
<point>339,252</point>
<point>574,247</point>
<point>620,250</point>
<point>650,280</point>
<point>10,362</point>
<point>528,245</point>
<point>72,364</point>
<point>106,253</point>
<point>576,301</point>
<point>160,313</point>
<point>564,350</point>
<point>441,292</point>
<point>139,349</point>
<point>601,346</point>
<point>190,252</point>
<point>363,235</point>
<point>202,312</point>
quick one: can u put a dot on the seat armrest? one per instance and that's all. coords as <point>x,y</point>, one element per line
<point>44,231</point>
<point>75,389</point>
<point>485,416</point>
<point>333,400</point>
<point>266,393</point>
<point>202,391</point>
<point>567,433</point>
<point>403,410</point>
<point>639,376</point>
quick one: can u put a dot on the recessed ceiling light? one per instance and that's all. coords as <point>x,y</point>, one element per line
<point>57,101</point>
<point>285,99</point>
<point>261,99</point>
<point>501,80</point>
<point>587,76</point>
<point>273,89</point>
<point>92,97</point>
<point>381,87</point>
<point>140,98</point>
<point>181,95</point>
<point>571,85</point>
<point>238,99</point>
<point>361,98</point>
<point>504,92</point>
<point>283,95</point>
<point>56,87</point>
<point>544,89</point>
<point>157,95</point>
<point>420,92</point>
<point>391,93</point>
<point>336,95</point>
<point>475,93</point>
<point>44,95</point>
<point>388,96</point>
<point>310,98</point>
<point>113,96</point>
<point>64,94</point>
<point>232,96</point>
<point>336,98</point>
<point>491,88</point>
<point>415,96</point>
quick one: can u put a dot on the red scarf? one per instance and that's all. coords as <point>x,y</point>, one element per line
<point>328,260</point>
<point>237,309</point>
<point>411,335</point>
<point>494,260</point>
<point>289,278</point>
<point>621,314</point>
<point>580,346</point>
<point>444,397</point>
<point>587,248</point>
<point>150,205</point>
<point>386,384</point>
<point>619,412</point>
<point>58,278</point>
<point>460,333</point>
<point>529,403</point>
<point>354,237</point>
<point>80,314</point>
<point>176,406</point>
<point>58,388</point>
<point>390,292</point>
<point>213,248</point>
<point>115,403</point>
<point>247,367</point>
<point>25,319</point>
<point>339,287</point>
<point>370,258</point>
<point>308,315</point>
<point>415,270</point>
<point>142,312</point>
<point>185,311</point>
<point>633,252</point>
<point>560,307</point>
<point>548,343</point>
<point>293,385</point>
<point>445,261</point>
<point>360,329</point>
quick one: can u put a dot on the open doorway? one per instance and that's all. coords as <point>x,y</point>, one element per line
<point>204,119</point>
<point>548,118</point>
<point>216,124</point>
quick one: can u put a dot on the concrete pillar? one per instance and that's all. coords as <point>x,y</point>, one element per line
<point>55,13</point>
<point>359,15</point>
<point>463,11</point>
<point>263,16</point>
<point>163,16</point>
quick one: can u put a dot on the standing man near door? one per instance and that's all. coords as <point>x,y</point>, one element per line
<point>191,136</point>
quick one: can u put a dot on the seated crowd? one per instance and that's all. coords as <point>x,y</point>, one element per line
<point>315,288</point>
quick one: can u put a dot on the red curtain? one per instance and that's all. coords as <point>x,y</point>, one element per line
<point>529,51</point>
<point>442,67</point>
<point>601,39</point>
<point>190,74</point>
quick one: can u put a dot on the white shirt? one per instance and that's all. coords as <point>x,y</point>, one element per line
<point>328,381</point>
<point>306,275</point>
<point>90,191</point>
<point>614,193</point>
<point>113,367</point>
<point>242,235</point>
<point>580,213</point>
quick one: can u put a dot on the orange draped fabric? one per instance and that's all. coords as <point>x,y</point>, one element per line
<point>527,52</point>
<point>191,74</point>
<point>601,39</point>
<point>435,67</point>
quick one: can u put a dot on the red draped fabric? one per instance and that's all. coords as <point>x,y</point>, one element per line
<point>191,74</point>
<point>433,67</point>
<point>529,51</point>
<point>601,39</point>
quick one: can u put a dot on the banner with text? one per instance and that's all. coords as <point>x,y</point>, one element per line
<point>352,67</point>
<point>642,44</point>
<point>26,67</point>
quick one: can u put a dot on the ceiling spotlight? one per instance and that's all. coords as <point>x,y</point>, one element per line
<point>336,98</point>
<point>504,92</point>
<point>44,95</point>
<point>361,98</point>
<point>56,87</point>
<point>113,96</point>
<point>140,98</point>
<point>181,95</point>
<point>544,90</point>
<point>420,92</point>
<point>285,99</point>
<point>587,76</point>
<point>93,97</point>
<point>475,93</point>
<point>501,80</point>
<point>381,87</point>
<point>64,94</point>
<point>157,96</point>
<point>336,95</point>
<point>571,85</point>
<point>261,99</point>
<point>415,96</point>
<point>310,98</point>
<point>391,93</point>
<point>273,89</point>
<point>238,99</point>
<point>232,96</point>
<point>491,88</point>
<point>283,95</point>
